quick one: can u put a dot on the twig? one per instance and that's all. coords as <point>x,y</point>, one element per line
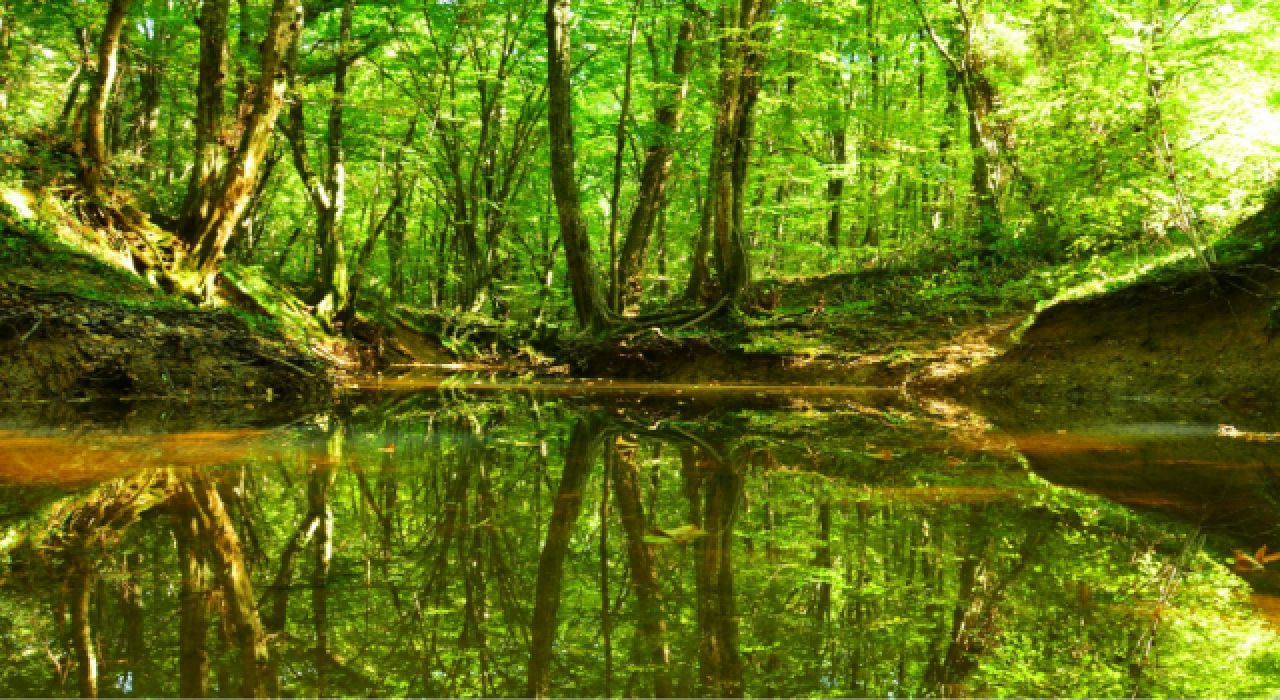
<point>710,312</point>
<point>23,340</point>
<point>290,365</point>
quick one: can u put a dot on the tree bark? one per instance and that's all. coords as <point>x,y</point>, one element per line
<point>100,93</point>
<point>584,443</point>
<point>210,150</point>
<point>588,302</point>
<point>80,587</point>
<point>652,624</point>
<point>228,564</point>
<point>209,234</point>
<point>980,99</point>
<point>193,608</point>
<point>742,57</point>
<point>699,285</point>
<point>616,199</point>
<point>839,157</point>
<point>656,174</point>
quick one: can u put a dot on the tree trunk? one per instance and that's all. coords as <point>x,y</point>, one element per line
<point>713,496</point>
<point>330,294</point>
<point>651,623</point>
<point>699,284</point>
<point>209,234</point>
<point>210,150</point>
<point>228,564</point>
<point>193,608</point>
<point>584,442</point>
<point>839,157</point>
<point>389,220</point>
<point>80,586</point>
<point>588,302</point>
<point>100,93</point>
<point>147,122</point>
<point>978,101</point>
<point>655,176</point>
<point>6,55</point>
<point>742,56</point>
<point>615,295</point>
<point>395,245</point>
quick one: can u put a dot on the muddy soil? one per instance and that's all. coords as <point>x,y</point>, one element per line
<point>61,346</point>
<point>1193,341</point>
<point>921,352</point>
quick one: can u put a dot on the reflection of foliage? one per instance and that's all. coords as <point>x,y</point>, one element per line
<point>817,566</point>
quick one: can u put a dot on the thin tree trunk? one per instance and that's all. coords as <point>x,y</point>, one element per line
<point>839,157</point>
<point>655,175</point>
<point>699,270</point>
<point>80,586</point>
<point>589,304</point>
<point>615,296</point>
<point>6,55</point>
<point>584,441</point>
<point>100,93</point>
<point>606,628</point>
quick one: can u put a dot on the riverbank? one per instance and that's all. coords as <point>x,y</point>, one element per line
<point>63,346</point>
<point>1179,335</point>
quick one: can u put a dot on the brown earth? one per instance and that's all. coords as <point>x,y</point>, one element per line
<point>61,346</point>
<point>1190,341</point>
<point>921,352</point>
<point>1192,337</point>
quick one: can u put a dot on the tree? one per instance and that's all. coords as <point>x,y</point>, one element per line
<point>208,234</point>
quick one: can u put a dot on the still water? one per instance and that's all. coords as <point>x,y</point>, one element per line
<point>589,540</point>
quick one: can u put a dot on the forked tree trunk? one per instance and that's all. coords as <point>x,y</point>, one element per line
<point>226,556</point>
<point>655,176</point>
<point>208,234</point>
<point>980,100</point>
<point>328,194</point>
<point>652,623</point>
<point>742,56</point>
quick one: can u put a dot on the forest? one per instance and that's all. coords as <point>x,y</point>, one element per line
<point>642,348</point>
<point>615,166</point>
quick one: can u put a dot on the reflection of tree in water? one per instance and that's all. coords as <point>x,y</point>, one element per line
<point>480,549</point>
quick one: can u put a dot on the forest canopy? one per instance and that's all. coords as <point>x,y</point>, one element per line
<point>634,162</point>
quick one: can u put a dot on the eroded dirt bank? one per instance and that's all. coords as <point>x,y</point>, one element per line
<point>1185,337</point>
<point>1193,341</point>
<point>61,346</point>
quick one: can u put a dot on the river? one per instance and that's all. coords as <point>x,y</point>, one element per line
<point>471,537</point>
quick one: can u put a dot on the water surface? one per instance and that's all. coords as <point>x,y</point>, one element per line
<point>582,540</point>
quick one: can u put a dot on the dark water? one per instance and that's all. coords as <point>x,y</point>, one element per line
<point>636,541</point>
